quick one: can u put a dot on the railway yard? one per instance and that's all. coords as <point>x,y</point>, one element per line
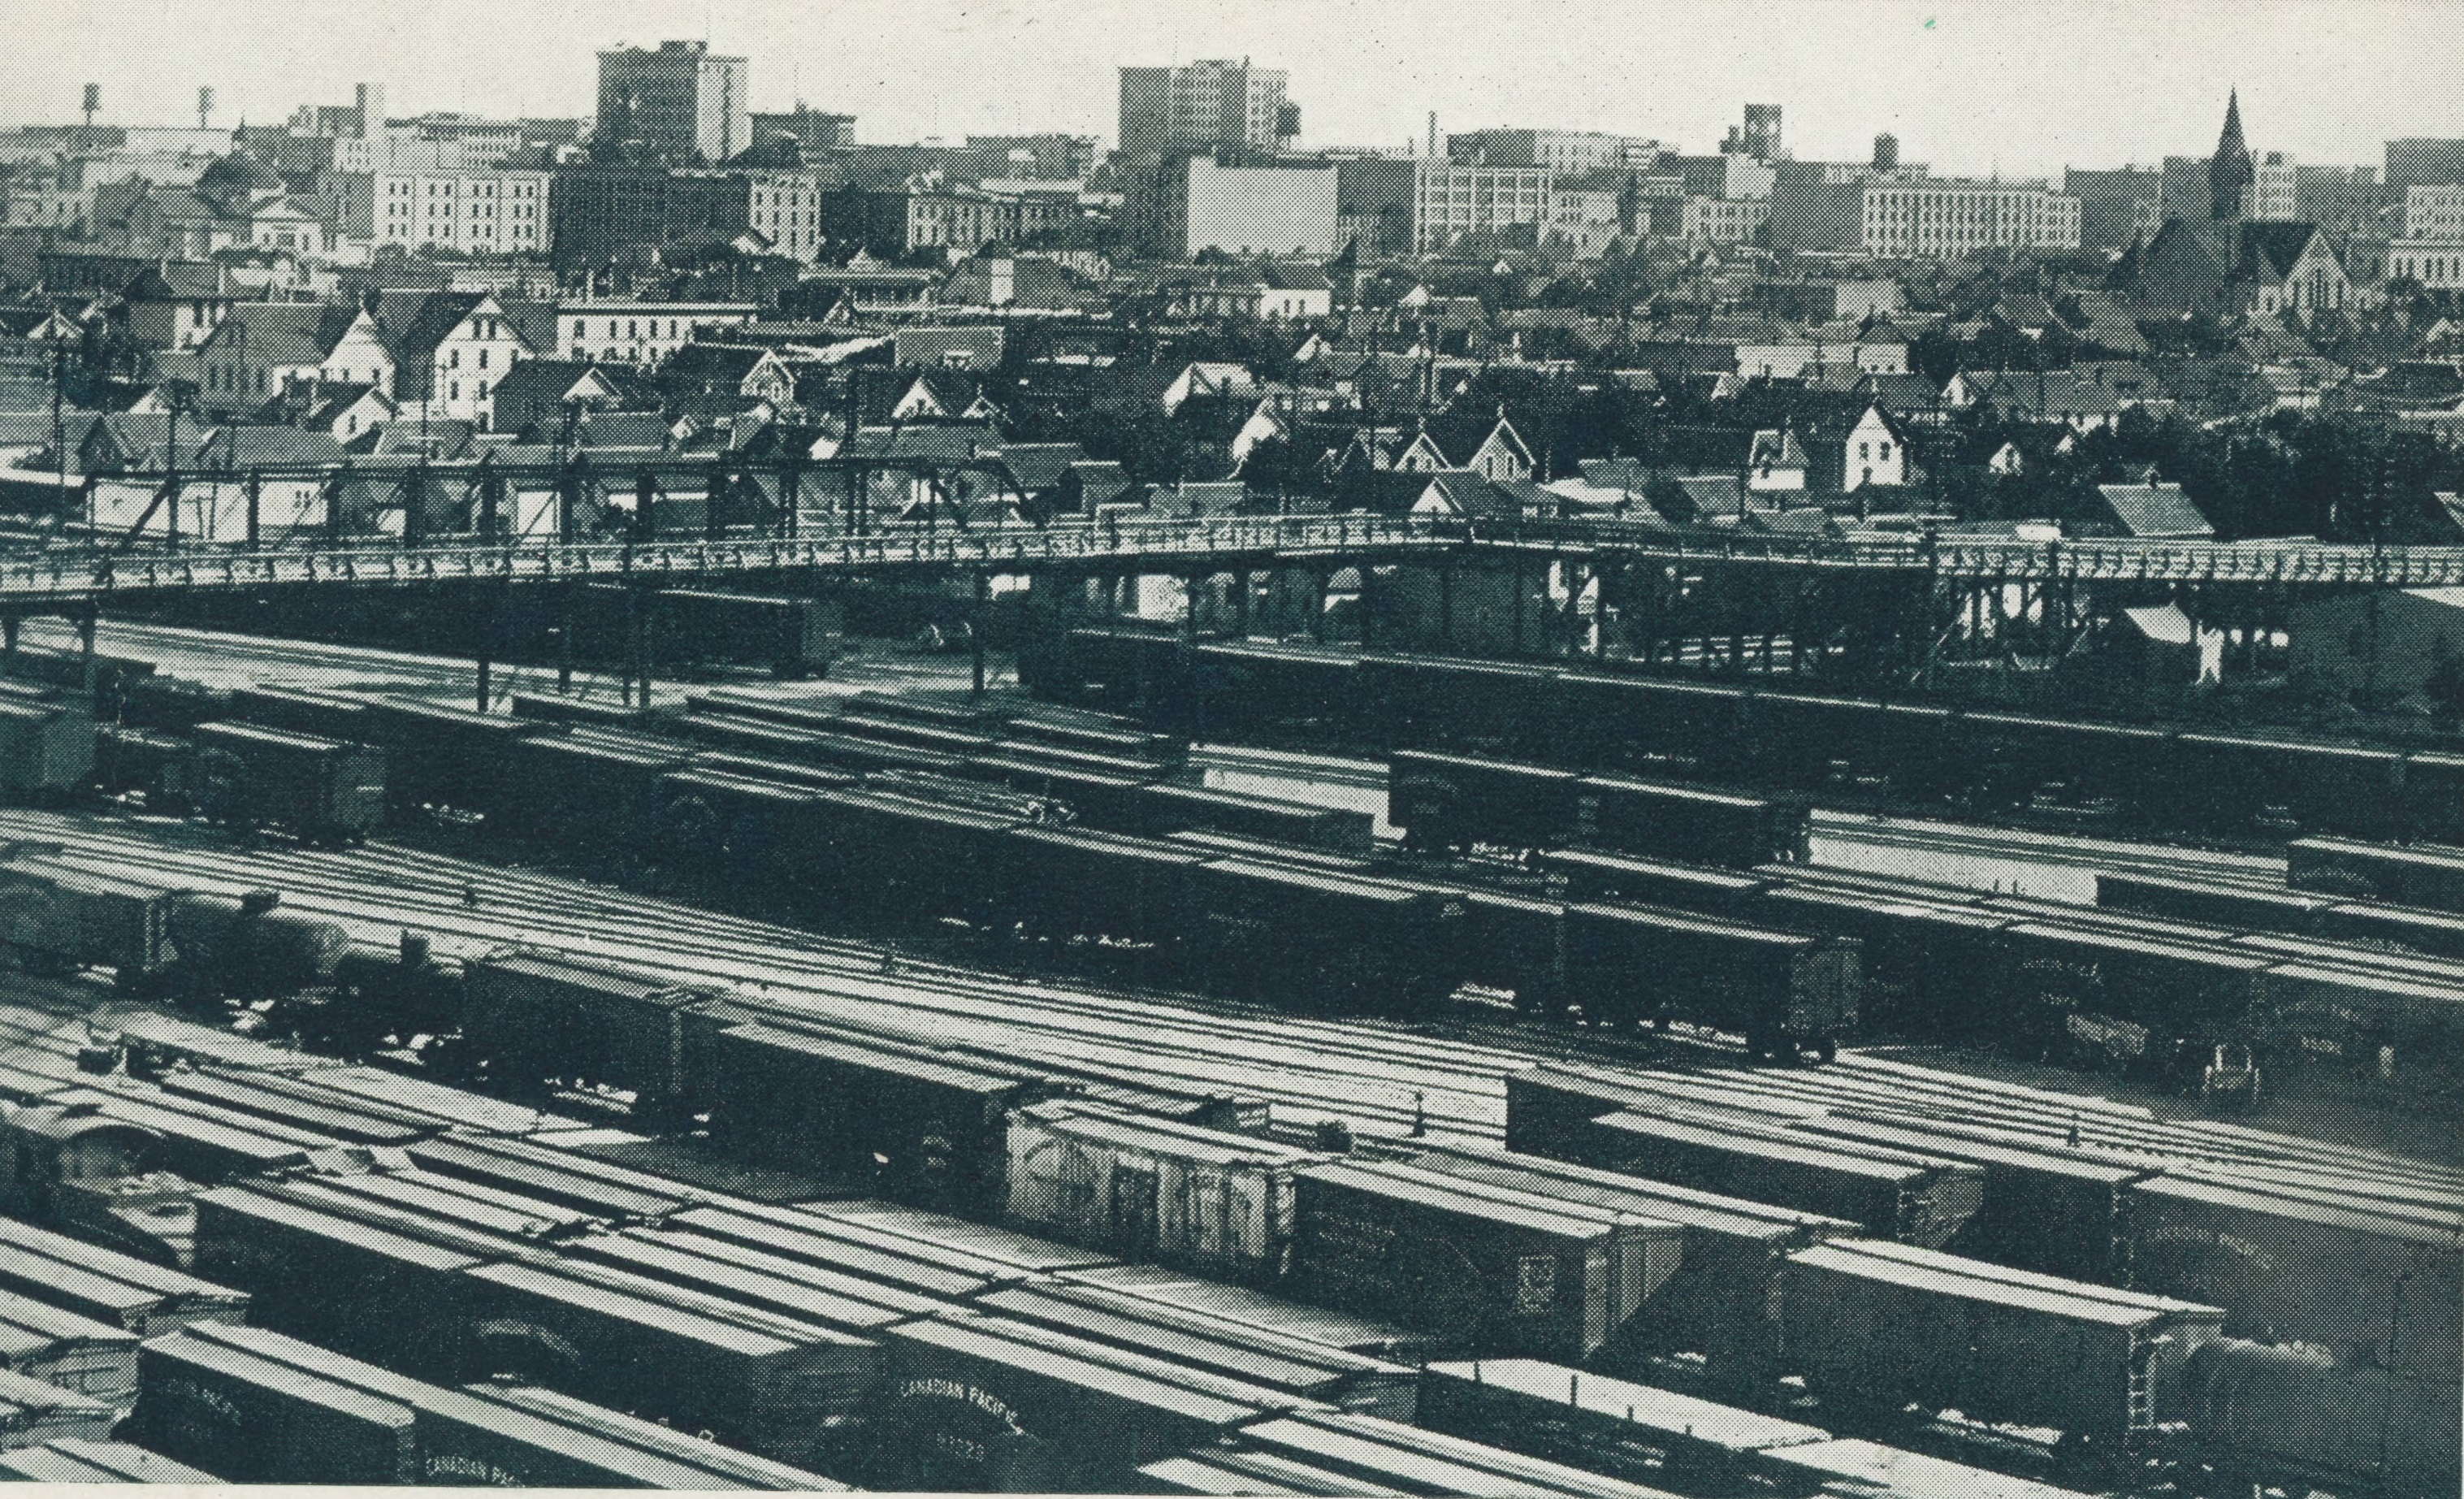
<point>1225,1068</point>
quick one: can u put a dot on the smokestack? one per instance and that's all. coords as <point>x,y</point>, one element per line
<point>1433,135</point>
<point>205,104</point>
<point>1886,152</point>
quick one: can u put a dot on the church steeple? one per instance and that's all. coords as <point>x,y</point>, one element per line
<point>2230,172</point>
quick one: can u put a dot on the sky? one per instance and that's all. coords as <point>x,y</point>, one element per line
<point>1969,86</point>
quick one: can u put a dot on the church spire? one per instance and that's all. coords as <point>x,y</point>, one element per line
<point>2229,171</point>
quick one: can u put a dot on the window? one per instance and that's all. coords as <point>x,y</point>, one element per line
<point>1886,452</point>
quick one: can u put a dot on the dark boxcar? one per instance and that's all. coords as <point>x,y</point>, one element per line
<point>1474,705</point>
<point>1620,719</point>
<point>981,1404</point>
<point>2418,874</point>
<point>1097,734</point>
<point>1178,808</point>
<point>1723,1300</point>
<point>2012,758</point>
<point>1103,801</point>
<point>924,1130</point>
<point>2373,1286</point>
<point>1321,940</point>
<point>335,1282</point>
<point>589,788</point>
<point>534,1017</point>
<point>2126,998</point>
<point>792,637</point>
<point>1916,1200</point>
<point>1805,741</point>
<point>1493,1267</point>
<point>906,858</point>
<point>1455,801</point>
<point>153,765</point>
<point>2043,1209</point>
<point>640,1448</point>
<point>1518,944</point>
<point>1065,882</point>
<point>61,918</point>
<point>773,1385</point>
<point>1687,822</point>
<point>1937,969</point>
<point>316,787</point>
<point>330,716</point>
<point>2254,908</point>
<point>444,756</point>
<point>1590,874</point>
<point>1625,964</point>
<point>594,711</point>
<point>2433,795</point>
<point>250,1419</point>
<point>891,730</point>
<point>1253,687</point>
<point>1885,1325</point>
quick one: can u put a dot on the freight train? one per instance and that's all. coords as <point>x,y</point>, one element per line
<point>1065,831</point>
<point>1908,752</point>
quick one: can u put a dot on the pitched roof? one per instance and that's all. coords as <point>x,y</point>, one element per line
<point>283,333</point>
<point>415,322</point>
<point>2154,510</point>
<point>1471,495</point>
<point>2275,248</point>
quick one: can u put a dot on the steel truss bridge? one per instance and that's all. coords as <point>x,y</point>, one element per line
<point>697,520</point>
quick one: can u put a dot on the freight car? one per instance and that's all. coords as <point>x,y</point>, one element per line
<point>1630,964</point>
<point>2426,875</point>
<point>1456,801</point>
<point>1585,719</point>
<point>322,789</point>
<point>1878,1326</point>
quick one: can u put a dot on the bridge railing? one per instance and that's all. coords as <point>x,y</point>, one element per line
<point>1156,544</point>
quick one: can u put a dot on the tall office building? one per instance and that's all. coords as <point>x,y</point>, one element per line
<point>1758,137</point>
<point>680,99</point>
<point>1204,106</point>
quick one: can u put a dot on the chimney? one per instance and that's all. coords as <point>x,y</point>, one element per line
<point>1433,135</point>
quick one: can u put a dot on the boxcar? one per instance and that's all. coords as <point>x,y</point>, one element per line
<point>329,715</point>
<point>1456,801</point>
<point>46,748</point>
<point>334,1280</point>
<point>443,757</point>
<point>908,858</point>
<point>104,1284</point>
<point>772,1384</point>
<point>155,765</point>
<point>318,789</point>
<point>2043,1207</point>
<point>1719,1298</point>
<point>924,1130</point>
<point>2418,874</point>
<point>1253,689</point>
<point>1882,1325</point>
<point>1687,822</point>
<point>1066,882</point>
<point>61,918</point>
<point>587,788</point>
<point>989,1403</point>
<point>792,637</point>
<point>2433,795</point>
<point>1916,1200</point>
<point>1627,964</point>
<point>2373,1286</point>
<point>1607,1424</point>
<point>1321,940</point>
<point>1592,874</point>
<point>1175,808</point>
<point>1495,1266</point>
<point>1150,1189</point>
<point>536,1016</point>
<point>1489,706</point>
<point>250,1419</point>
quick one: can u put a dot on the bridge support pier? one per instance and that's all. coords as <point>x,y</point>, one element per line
<point>564,638</point>
<point>976,630</point>
<point>86,620</point>
<point>1242,587</point>
<point>8,625</point>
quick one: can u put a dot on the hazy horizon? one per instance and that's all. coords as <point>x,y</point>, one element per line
<point>1969,88</point>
